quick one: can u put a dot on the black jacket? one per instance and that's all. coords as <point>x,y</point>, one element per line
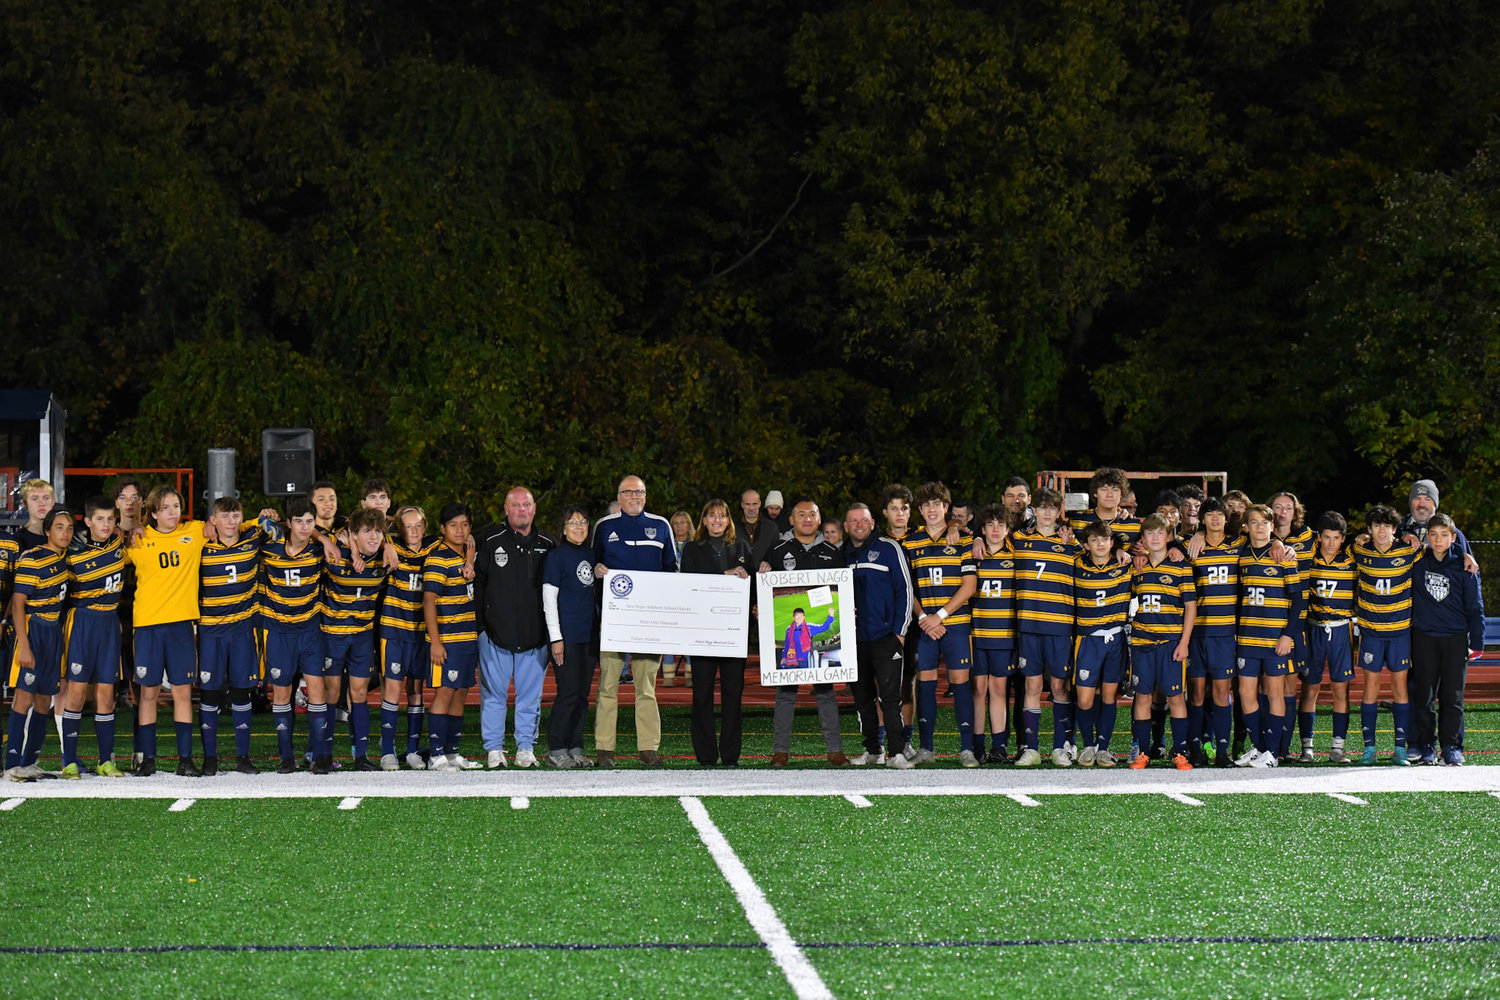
<point>508,587</point>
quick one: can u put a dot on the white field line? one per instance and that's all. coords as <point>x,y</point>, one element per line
<point>1353,800</point>
<point>1186,800</point>
<point>520,802</point>
<point>10,804</point>
<point>1022,800</point>
<point>350,802</point>
<point>181,805</point>
<point>858,801</point>
<point>674,783</point>
<point>800,974</point>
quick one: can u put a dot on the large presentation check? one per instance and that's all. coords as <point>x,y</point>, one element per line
<point>696,614</point>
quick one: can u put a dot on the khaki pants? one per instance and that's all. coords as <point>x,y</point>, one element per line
<point>643,667</point>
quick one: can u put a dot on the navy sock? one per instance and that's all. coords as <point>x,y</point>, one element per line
<point>998,740</point>
<point>36,735</point>
<point>1195,716</point>
<point>1179,735</point>
<point>1086,724</point>
<point>438,726</point>
<point>208,724</point>
<point>359,727</point>
<point>239,712</point>
<point>1223,720</point>
<point>927,711</point>
<point>414,728</point>
<point>184,740</point>
<point>1368,716</point>
<point>963,708</point>
<point>1305,723</point>
<point>71,721</point>
<point>1158,725</point>
<point>317,728</point>
<point>1033,725</point>
<point>16,736</point>
<point>1252,729</point>
<point>1140,734</point>
<point>1402,715</point>
<point>1270,726</point>
<point>1108,716</point>
<point>390,712</point>
<point>1062,723</point>
<point>104,736</point>
<point>284,719</point>
<point>1340,725</point>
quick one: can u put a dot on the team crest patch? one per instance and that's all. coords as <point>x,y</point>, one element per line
<point>1369,657</point>
<point>77,668</point>
<point>1007,564</point>
<point>584,572</point>
<point>949,550</point>
<point>1241,662</point>
<point>1022,661</point>
<point>30,677</point>
<point>1270,571</point>
<point>1164,579</point>
<point>1083,675</point>
<point>395,667</point>
<point>873,556</point>
<point>620,585</point>
<point>651,533</point>
<point>453,675</point>
<point>140,671</point>
<point>204,676</point>
<point>789,562</point>
<point>275,673</point>
<point>327,663</point>
<point>501,558</point>
<point>1058,548</point>
<point>1437,586</point>
<point>1398,562</point>
<point>187,539</point>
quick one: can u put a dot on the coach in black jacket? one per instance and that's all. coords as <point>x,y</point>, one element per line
<point>512,626</point>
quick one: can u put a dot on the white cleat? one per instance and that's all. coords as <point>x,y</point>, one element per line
<point>497,758</point>
<point>860,760</point>
<point>458,762</point>
<point>900,762</point>
<point>967,759</point>
<point>415,762</point>
<point>525,758</point>
<point>1060,757</point>
<point>388,762</point>
<point>1248,758</point>
<point>1029,758</point>
<point>1087,756</point>
<point>1266,759</point>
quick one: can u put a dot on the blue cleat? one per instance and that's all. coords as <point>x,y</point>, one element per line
<point>1368,757</point>
<point>1429,755</point>
<point>1399,757</point>
<point>1453,757</point>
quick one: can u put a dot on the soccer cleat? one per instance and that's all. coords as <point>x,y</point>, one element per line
<point>243,765</point>
<point>880,758</point>
<point>1030,757</point>
<point>967,759</point>
<point>439,762</point>
<point>909,752</point>
<point>900,762</point>
<point>415,762</point>
<point>366,764</point>
<point>1103,758</point>
<point>321,765</point>
<point>1181,762</point>
<point>210,766</point>
<point>1337,756</point>
<point>288,766</point>
<point>1307,756</point>
<point>861,759</point>
<point>497,759</point>
<point>1060,757</point>
<point>187,769</point>
<point>1070,749</point>
<point>1141,760</point>
<point>70,772</point>
<point>1248,758</point>
<point>1368,756</point>
<point>1222,760</point>
<point>780,759</point>
<point>606,758</point>
<point>1263,760</point>
<point>1453,757</point>
<point>997,757</point>
<point>1400,758</point>
<point>14,774</point>
<point>1087,756</point>
<point>525,758</point>
<point>923,756</point>
<point>1198,757</point>
<point>459,762</point>
<point>145,767</point>
<point>109,769</point>
<point>1157,752</point>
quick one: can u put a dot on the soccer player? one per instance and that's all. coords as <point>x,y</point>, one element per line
<point>1101,597</point>
<point>325,501</point>
<point>570,603</point>
<point>96,576</point>
<point>805,550</point>
<point>1191,496</point>
<point>1447,628</point>
<point>895,510</point>
<point>1044,618</point>
<point>41,586</point>
<point>1216,577</point>
<point>943,575</point>
<point>229,603</point>
<point>1270,613</point>
<point>375,495</point>
<point>1384,579</point>
<point>1293,532</point>
<point>289,593</point>
<point>1160,635</point>
<point>403,641</point>
<point>129,494</point>
<point>1108,487</point>
<point>1236,503</point>
<point>883,607</point>
<point>166,556</point>
<point>453,627</point>
<point>38,497</point>
<point>1016,496</point>
<point>993,611</point>
<point>350,600</point>
<point>1330,634</point>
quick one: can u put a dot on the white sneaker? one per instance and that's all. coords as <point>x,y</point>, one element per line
<point>388,762</point>
<point>1248,758</point>
<point>901,762</point>
<point>440,764</point>
<point>881,758</point>
<point>967,759</point>
<point>860,760</point>
<point>1087,756</point>
<point>1267,759</point>
<point>1104,759</point>
<point>924,757</point>
<point>1307,756</point>
<point>458,762</point>
<point>497,758</point>
<point>1060,757</point>
<point>525,758</point>
<point>1029,758</point>
<point>415,762</point>
<point>1071,750</point>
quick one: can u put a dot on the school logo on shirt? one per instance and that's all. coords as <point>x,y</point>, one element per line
<point>1437,586</point>
<point>1398,562</point>
<point>1083,675</point>
<point>873,556</point>
<point>1241,662</point>
<point>30,677</point>
<point>1270,571</point>
<point>651,533</point>
<point>1165,580</point>
<point>789,562</point>
<point>1369,657</point>
<point>620,585</point>
<point>1058,548</point>
<point>949,550</point>
<point>1007,564</point>
<point>501,558</point>
<point>584,572</point>
<point>186,539</point>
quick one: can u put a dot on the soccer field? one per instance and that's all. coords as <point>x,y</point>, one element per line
<point>1299,882</point>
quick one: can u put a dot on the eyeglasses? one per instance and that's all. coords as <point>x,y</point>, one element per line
<point>632,493</point>
<point>575,523</point>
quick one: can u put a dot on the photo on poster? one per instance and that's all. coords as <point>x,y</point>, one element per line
<point>807,627</point>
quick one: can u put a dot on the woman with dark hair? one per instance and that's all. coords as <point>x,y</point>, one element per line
<point>570,607</point>
<point>715,549</point>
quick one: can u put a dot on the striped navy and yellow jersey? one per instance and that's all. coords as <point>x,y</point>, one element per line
<point>290,585</point>
<point>1384,586</point>
<point>1216,575</point>
<point>166,573</point>
<point>350,597</point>
<point>1127,529</point>
<point>1101,594</point>
<point>993,606</point>
<point>1162,594</point>
<point>1306,544</point>
<point>42,578</point>
<point>401,610</point>
<point>96,573</point>
<point>10,552</point>
<point>1044,582</point>
<point>938,570</point>
<point>1330,589</point>
<point>443,577</point>
<point>1270,601</point>
<point>229,597</point>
